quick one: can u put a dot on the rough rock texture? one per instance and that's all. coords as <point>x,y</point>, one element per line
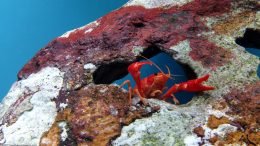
<point>94,116</point>
<point>58,86</point>
<point>28,110</point>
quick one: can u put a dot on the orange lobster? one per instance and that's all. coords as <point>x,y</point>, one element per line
<point>153,85</point>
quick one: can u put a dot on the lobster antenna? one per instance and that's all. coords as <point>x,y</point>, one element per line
<point>152,63</point>
<point>173,76</point>
<point>169,72</point>
<point>160,68</point>
<point>177,75</point>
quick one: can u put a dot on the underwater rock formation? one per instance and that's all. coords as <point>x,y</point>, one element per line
<point>57,100</point>
<point>95,115</point>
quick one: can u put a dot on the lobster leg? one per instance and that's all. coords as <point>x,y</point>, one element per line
<point>134,70</point>
<point>156,92</point>
<point>143,100</point>
<point>175,100</point>
<point>190,86</point>
<point>129,90</point>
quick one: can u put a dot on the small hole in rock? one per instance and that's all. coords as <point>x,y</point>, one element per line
<point>117,72</point>
<point>251,39</point>
<point>139,24</point>
<point>107,73</point>
<point>251,42</point>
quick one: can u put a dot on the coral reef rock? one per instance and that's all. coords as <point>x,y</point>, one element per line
<point>64,94</point>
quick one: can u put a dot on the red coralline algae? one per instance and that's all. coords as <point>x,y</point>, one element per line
<point>245,105</point>
<point>250,95</point>
<point>208,7</point>
<point>121,30</point>
<point>208,53</point>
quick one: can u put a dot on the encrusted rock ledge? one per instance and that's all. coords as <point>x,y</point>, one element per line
<point>57,100</point>
<point>93,116</point>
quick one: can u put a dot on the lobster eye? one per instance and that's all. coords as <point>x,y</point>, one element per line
<point>155,74</point>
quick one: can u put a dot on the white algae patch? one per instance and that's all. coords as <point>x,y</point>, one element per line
<point>63,105</point>
<point>46,141</point>
<point>172,125</point>
<point>67,34</point>
<point>63,127</point>
<point>167,127</point>
<point>113,110</point>
<point>156,3</point>
<point>192,140</point>
<point>29,127</point>
<point>221,131</point>
<point>137,50</point>
<point>88,28</point>
<point>90,67</point>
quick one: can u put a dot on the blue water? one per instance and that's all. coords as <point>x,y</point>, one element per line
<point>256,52</point>
<point>28,25</point>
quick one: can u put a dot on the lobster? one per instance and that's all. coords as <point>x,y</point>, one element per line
<point>153,85</point>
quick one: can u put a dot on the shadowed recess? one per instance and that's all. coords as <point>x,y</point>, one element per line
<point>108,73</point>
<point>251,42</point>
<point>251,39</point>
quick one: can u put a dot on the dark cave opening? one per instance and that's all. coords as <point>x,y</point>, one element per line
<point>116,72</point>
<point>251,39</point>
<point>108,73</point>
<point>251,42</point>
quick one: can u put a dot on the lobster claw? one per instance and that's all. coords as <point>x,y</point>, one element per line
<point>190,86</point>
<point>135,67</point>
<point>197,86</point>
<point>134,70</point>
